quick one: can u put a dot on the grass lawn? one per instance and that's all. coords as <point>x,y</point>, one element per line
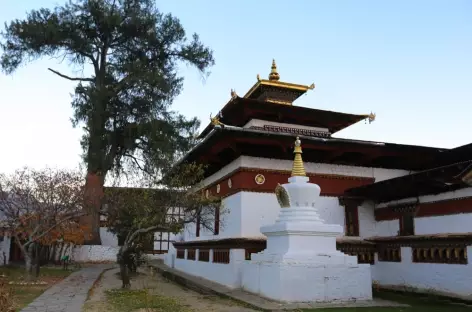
<point>142,300</point>
<point>24,294</point>
<point>418,303</point>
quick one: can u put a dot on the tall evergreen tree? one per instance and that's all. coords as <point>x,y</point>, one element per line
<point>134,51</point>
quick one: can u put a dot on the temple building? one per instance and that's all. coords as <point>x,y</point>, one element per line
<point>405,211</point>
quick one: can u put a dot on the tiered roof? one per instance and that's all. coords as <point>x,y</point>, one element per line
<point>229,136</point>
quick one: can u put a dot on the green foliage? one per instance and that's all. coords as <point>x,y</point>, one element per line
<point>133,51</point>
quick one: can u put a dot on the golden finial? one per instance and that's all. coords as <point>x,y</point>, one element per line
<point>215,121</point>
<point>233,93</point>
<point>371,117</point>
<point>298,170</point>
<point>274,75</point>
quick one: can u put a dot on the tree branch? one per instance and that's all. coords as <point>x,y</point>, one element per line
<point>55,225</point>
<point>147,230</point>
<point>70,78</point>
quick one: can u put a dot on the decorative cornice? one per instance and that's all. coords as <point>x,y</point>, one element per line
<point>243,179</point>
<point>429,209</point>
<point>297,131</point>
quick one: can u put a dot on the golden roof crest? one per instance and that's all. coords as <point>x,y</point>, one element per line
<point>298,169</point>
<point>274,75</point>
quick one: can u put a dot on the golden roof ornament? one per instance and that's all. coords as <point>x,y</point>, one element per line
<point>371,117</point>
<point>298,170</point>
<point>233,94</point>
<point>274,75</point>
<point>215,121</point>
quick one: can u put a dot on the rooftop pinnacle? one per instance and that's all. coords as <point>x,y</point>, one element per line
<point>298,170</point>
<point>274,75</point>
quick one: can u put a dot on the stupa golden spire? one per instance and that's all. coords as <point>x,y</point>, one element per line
<point>274,75</point>
<point>298,170</point>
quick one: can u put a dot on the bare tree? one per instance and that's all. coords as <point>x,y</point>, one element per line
<point>133,213</point>
<point>38,206</point>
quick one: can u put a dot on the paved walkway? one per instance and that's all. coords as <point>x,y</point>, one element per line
<point>68,295</point>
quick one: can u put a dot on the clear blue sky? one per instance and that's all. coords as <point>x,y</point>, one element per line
<point>410,62</point>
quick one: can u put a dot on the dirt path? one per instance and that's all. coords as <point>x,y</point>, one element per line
<point>159,286</point>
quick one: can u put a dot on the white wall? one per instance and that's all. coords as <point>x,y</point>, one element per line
<point>108,239</point>
<point>449,278</point>
<point>95,253</point>
<point>458,223</point>
<point>226,274</point>
<point>387,228</point>
<point>367,223</point>
<point>230,221</point>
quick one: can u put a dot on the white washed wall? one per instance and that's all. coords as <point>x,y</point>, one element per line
<point>459,223</point>
<point>448,278</point>
<point>230,221</point>
<point>387,228</point>
<point>226,274</point>
<point>108,239</point>
<point>95,253</point>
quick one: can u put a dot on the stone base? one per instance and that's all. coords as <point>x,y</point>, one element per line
<point>307,282</point>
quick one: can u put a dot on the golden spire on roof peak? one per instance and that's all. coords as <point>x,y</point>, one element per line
<point>274,75</point>
<point>298,170</point>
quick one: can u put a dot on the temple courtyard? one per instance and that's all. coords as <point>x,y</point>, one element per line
<point>95,288</point>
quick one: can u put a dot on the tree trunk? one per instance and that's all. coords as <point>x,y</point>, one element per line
<point>38,260</point>
<point>28,253</point>
<point>122,261</point>
<point>93,196</point>
<point>124,276</point>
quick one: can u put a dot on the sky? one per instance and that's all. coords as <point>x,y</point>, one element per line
<point>409,62</point>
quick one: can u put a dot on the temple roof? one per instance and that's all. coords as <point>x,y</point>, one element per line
<point>239,111</point>
<point>428,182</point>
<point>224,144</point>
<point>275,91</point>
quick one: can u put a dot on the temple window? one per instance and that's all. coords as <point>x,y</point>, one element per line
<point>216,230</point>
<point>221,256</point>
<point>351,220</point>
<point>407,224</point>
<point>204,255</point>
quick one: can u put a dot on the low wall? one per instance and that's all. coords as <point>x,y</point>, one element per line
<point>228,274</point>
<point>425,263</point>
<point>443,278</point>
<point>95,253</point>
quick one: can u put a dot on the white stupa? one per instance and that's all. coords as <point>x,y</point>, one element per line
<point>301,263</point>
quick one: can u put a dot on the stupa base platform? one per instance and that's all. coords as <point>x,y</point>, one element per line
<point>307,282</point>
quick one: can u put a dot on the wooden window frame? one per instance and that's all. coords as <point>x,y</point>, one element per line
<point>351,210</point>
<point>406,231</point>
<point>216,230</point>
